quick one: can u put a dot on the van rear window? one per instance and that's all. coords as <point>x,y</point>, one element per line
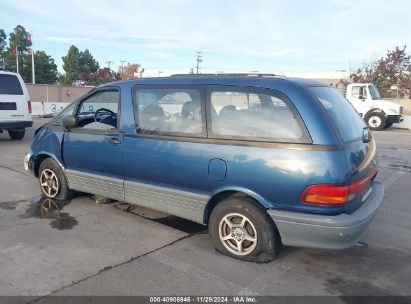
<point>346,118</point>
<point>10,85</point>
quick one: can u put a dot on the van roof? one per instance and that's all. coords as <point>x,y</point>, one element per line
<point>8,73</point>
<point>258,80</point>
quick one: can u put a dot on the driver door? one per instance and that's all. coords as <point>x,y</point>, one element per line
<point>92,151</point>
<point>359,98</point>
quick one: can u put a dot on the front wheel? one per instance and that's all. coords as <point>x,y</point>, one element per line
<point>17,134</point>
<point>242,229</point>
<point>53,182</point>
<point>376,121</point>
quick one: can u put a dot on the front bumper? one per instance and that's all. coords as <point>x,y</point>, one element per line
<point>327,232</point>
<point>29,163</point>
<point>394,118</point>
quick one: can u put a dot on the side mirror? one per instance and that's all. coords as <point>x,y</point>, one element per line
<point>70,121</point>
<point>362,97</point>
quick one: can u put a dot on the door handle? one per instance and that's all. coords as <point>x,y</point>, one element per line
<point>114,141</point>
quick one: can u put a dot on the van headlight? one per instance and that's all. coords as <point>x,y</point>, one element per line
<point>393,111</point>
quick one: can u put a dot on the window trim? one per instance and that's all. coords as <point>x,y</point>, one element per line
<point>305,136</point>
<point>166,134</point>
<point>92,93</point>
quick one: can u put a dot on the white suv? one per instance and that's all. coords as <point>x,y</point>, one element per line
<point>15,105</point>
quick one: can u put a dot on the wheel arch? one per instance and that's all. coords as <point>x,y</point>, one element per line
<point>374,110</point>
<point>229,192</point>
<point>40,157</point>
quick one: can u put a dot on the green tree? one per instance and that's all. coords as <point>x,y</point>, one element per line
<point>46,69</point>
<point>87,63</point>
<point>71,65</point>
<point>20,38</point>
<point>3,43</point>
<point>78,65</point>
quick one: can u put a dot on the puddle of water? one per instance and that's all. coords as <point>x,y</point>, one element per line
<point>9,205</point>
<point>50,209</point>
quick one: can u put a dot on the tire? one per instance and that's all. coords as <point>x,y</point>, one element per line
<point>376,121</point>
<point>17,134</point>
<point>258,226</point>
<point>53,182</point>
<point>388,125</point>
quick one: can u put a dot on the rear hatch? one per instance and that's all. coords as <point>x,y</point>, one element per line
<point>358,145</point>
<point>13,99</point>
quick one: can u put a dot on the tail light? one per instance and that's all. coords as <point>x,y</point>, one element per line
<point>335,194</point>
<point>29,106</point>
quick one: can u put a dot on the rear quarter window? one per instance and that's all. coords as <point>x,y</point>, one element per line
<point>10,85</point>
<point>254,114</point>
<point>345,117</point>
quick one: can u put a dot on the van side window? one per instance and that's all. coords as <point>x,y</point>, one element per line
<point>99,111</point>
<point>169,111</point>
<point>252,116</point>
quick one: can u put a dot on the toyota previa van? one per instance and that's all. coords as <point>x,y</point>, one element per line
<point>263,161</point>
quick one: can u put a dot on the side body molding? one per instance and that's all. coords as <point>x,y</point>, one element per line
<point>184,204</point>
<point>92,183</point>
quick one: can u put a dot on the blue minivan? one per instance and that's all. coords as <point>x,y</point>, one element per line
<point>263,161</point>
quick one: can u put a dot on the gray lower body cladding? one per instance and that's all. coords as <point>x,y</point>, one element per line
<point>184,204</point>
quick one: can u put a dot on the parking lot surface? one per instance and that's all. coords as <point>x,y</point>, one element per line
<point>80,247</point>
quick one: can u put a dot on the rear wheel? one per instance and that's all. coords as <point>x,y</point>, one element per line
<point>376,121</point>
<point>239,227</point>
<point>17,134</point>
<point>52,180</point>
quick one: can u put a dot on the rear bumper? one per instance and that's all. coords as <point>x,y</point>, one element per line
<point>394,118</point>
<point>16,124</point>
<point>327,232</point>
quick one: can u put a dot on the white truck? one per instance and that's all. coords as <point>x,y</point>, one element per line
<point>15,105</point>
<point>377,113</point>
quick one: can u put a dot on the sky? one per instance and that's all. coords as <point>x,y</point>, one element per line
<point>273,36</point>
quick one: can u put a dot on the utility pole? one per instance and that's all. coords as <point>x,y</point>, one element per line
<point>33,77</point>
<point>122,66</point>
<point>199,59</point>
<point>17,59</point>
<point>109,63</point>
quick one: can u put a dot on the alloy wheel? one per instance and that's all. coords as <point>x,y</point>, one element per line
<point>238,234</point>
<point>49,183</point>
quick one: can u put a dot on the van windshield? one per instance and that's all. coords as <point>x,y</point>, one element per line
<point>375,95</point>
<point>10,85</point>
<point>346,118</point>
